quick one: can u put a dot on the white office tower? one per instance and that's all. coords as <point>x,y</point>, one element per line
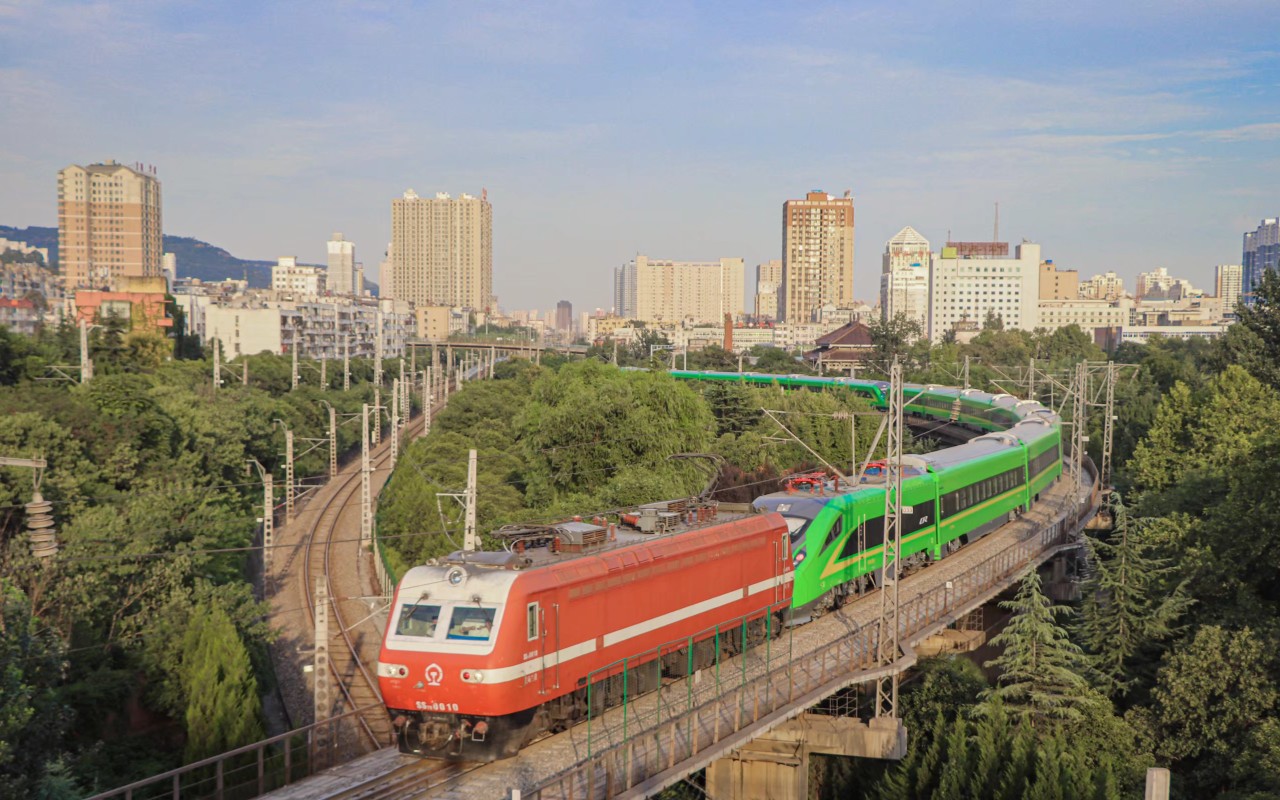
<point>342,266</point>
<point>904,277</point>
<point>971,280</point>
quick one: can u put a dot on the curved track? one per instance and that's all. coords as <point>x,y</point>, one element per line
<point>357,686</point>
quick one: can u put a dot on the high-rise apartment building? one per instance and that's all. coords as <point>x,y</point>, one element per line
<point>1261,253</point>
<point>904,277</point>
<point>966,285</point>
<point>1156,281</point>
<point>768,286</point>
<point>817,255</point>
<point>442,250</point>
<point>341,278</point>
<point>108,224</point>
<point>1109,286</point>
<point>1228,282</point>
<point>679,291</point>
<point>564,315</point>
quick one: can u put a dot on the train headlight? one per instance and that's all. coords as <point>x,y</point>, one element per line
<point>798,558</point>
<point>456,576</point>
<point>392,670</point>
<point>472,676</point>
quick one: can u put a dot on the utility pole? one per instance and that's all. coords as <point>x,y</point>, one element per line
<point>404,396</point>
<point>288,470</point>
<point>1108,426</point>
<point>1031,380</point>
<point>217,362</point>
<point>268,520</point>
<point>966,372</point>
<point>293,379</point>
<point>493,360</point>
<point>244,371</point>
<point>366,495</point>
<point>469,536</point>
<point>1078,437</point>
<point>377,350</point>
<point>395,420</point>
<point>333,440</point>
<point>320,671</point>
<point>44,540</point>
<point>86,363</point>
<point>324,373</point>
<point>887,641</point>
<point>426,401</point>
<point>377,414</point>
<point>346,363</point>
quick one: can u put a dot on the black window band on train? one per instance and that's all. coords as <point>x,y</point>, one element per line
<point>1043,461</point>
<point>973,494</point>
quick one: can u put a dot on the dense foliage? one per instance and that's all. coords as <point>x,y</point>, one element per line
<point>142,643</point>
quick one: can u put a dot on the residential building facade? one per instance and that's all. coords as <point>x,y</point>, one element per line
<point>1057,283</point>
<point>291,278</point>
<point>442,250</point>
<point>768,286</point>
<point>109,224</point>
<point>656,290</point>
<point>1228,285</point>
<point>817,255</point>
<point>1108,286</point>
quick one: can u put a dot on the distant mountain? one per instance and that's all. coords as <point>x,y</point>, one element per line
<point>196,259</point>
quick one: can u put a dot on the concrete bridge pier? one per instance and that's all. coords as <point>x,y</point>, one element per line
<point>775,766</point>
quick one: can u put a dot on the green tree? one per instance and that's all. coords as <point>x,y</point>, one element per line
<point>900,337</point>
<point>1128,604</point>
<point>1256,346</point>
<point>31,716</point>
<point>223,707</point>
<point>1039,668</point>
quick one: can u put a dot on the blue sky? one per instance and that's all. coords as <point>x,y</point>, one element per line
<point>1120,135</point>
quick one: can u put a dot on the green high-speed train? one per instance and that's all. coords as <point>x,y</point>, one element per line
<point>949,497</point>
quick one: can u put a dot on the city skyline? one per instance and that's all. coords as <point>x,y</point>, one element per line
<point>1098,144</point>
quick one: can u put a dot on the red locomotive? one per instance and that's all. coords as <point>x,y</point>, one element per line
<point>486,651</point>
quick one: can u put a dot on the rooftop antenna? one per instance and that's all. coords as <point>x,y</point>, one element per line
<point>995,237</point>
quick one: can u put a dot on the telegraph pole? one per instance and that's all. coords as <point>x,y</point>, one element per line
<point>1108,425</point>
<point>966,372</point>
<point>244,371</point>
<point>86,363</point>
<point>469,536</point>
<point>1078,437</point>
<point>293,380</point>
<point>320,670</point>
<point>217,362</point>
<point>333,440</point>
<point>395,420</point>
<point>426,401</point>
<point>366,495</point>
<point>288,470</point>
<point>268,521</point>
<point>324,373</point>
<point>377,350</point>
<point>346,363</point>
<point>887,641</point>
<point>377,414</point>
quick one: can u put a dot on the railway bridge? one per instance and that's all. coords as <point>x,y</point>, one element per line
<point>749,720</point>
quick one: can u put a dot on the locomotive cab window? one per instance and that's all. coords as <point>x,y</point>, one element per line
<point>531,621</point>
<point>471,624</point>
<point>418,619</point>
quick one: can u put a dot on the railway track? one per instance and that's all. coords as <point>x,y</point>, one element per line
<point>414,779</point>
<point>357,686</point>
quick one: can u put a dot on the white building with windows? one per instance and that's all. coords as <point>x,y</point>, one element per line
<point>288,277</point>
<point>968,288</point>
<point>904,277</point>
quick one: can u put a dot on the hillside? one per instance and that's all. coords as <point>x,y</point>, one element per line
<point>196,259</point>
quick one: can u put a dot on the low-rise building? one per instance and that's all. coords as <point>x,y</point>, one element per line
<point>1108,286</point>
<point>142,302</point>
<point>324,328</point>
<point>1089,315</point>
<point>438,323</point>
<point>1141,334</point>
<point>19,316</point>
<point>291,279</point>
<point>846,348</point>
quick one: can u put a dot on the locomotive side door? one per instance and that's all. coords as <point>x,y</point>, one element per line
<point>542,623</point>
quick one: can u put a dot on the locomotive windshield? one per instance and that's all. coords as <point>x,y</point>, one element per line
<point>418,619</point>
<point>471,623</point>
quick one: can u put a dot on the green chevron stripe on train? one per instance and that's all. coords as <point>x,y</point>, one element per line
<point>949,497</point>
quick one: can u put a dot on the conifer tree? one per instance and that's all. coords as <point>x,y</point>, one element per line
<point>1019,770</point>
<point>993,741</point>
<point>1051,780</point>
<point>957,764</point>
<point>223,707</point>
<point>1124,608</point>
<point>927,773</point>
<point>1040,666</point>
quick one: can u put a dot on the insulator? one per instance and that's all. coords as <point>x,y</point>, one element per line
<point>44,539</point>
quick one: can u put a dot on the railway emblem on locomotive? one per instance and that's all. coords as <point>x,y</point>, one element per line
<point>434,675</point>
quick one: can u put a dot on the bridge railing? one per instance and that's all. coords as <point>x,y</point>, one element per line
<point>245,772</point>
<point>721,714</point>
